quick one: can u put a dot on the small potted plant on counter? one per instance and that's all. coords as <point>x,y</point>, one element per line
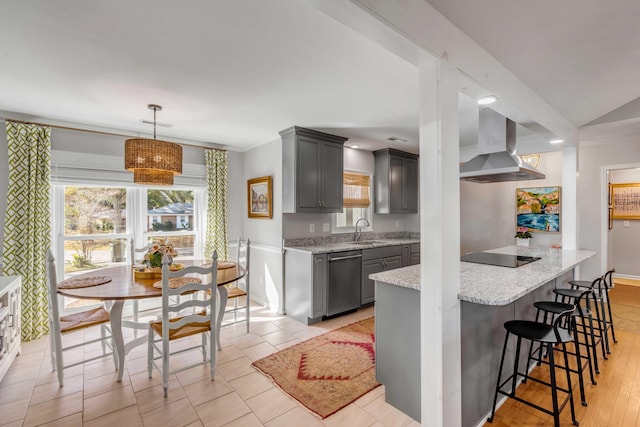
<point>522,236</point>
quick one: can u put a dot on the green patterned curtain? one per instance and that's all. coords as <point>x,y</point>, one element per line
<point>27,224</point>
<point>216,239</point>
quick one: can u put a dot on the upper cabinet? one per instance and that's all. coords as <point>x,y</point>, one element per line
<point>312,171</point>
<point>395,181</point>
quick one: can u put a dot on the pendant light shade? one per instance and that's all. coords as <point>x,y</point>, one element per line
<point>152,162</point>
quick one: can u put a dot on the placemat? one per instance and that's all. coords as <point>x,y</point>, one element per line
<point>83,282</point>
<point>177,282</point>
<point>222,265</point>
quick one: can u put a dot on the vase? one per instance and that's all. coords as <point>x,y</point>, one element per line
<point>522,242</point>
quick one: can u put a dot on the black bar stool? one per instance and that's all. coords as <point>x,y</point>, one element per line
<point>570,296</point>
<point>582,311</point>
<point>603,294</point>
<point>546,335</point>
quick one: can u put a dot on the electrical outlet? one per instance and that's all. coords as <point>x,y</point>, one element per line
<point>312,228</point>
<point>325,226</point>
<point>625,224</point>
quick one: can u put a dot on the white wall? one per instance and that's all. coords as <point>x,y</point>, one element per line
<point>624,242</point>
<point>488,211</point>
<point>297,225</point>
<point>592,160</point>
<point>265,234</point>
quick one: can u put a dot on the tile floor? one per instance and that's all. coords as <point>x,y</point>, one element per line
<point>239,396</point>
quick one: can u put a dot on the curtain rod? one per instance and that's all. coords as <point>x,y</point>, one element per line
<point>98,132</point>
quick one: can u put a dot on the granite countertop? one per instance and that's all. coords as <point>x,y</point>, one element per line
<point>350,246</point>
<point>493,285</point>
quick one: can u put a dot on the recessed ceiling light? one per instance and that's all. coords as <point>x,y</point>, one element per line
<point>396,139</point>
<point>556,141</point>
<point>486,100</point>
<point>354,146</point>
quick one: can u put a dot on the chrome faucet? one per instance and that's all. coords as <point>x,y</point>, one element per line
<point>357,234</point>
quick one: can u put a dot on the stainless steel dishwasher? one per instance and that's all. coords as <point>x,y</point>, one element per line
<point>343,290</point>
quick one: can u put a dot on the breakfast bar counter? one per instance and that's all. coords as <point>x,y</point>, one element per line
<point>493,285</point>
<point>489,296</point>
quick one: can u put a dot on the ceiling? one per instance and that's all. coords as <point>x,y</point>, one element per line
<point>581,56</point>
<point>235,73</point>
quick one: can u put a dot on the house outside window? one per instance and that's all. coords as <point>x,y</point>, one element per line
<point>173,213</point>
<point>356,203</point>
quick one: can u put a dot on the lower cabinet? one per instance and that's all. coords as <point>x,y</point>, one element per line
<point>375,260</point>
<point>306,278</point>
<point>10,314</point>
<point>414,254</point>
<point>305,295</point>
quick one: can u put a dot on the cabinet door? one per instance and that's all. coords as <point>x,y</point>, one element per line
<point>409,185</point>
<point>415,258</point>
<point>406,255</point>
<point>308,175</point>
<point>319,286</point>
<point>14,314</point>
<point>332,178</point>
<point>368,286</point>
<point>391,263</point>
<point>395,184</point>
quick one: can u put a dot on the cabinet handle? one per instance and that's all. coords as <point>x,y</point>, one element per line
<point>11,325</point>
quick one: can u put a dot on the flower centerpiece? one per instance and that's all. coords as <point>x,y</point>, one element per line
<point>522,236</point>
<point>153,261</point>
<point>153,257</point>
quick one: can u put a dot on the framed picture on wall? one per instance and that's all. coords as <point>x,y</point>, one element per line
<point>625,201</point>
<point>260,198</point>
<point>538,209</point>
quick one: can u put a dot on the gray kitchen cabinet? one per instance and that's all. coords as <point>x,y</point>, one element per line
<point>305,296</point>
<point>406,255</point>
<point>368,289</point>
<point>376,260</point>
<point>319,286</point>
<point>395,181</point>
<point>414,254</point>
<point>312,167</point>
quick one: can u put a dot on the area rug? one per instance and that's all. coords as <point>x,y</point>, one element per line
<point>328,372</point>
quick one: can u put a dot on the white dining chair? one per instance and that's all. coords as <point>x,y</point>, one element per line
<point>181,320</point>
<point>61,325</point>
<point>239,290</point>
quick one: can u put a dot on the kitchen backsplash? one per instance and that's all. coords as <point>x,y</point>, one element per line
<point>348,237</point>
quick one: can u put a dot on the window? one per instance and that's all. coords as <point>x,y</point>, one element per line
<point>95,227</point>
<point>96,223</point>
<point>170,215</point>
<point>356,204</point>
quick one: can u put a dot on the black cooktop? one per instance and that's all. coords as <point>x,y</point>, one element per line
<point>502,260</point>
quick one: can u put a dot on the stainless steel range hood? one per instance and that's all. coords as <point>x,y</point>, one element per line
<point>496,160</point>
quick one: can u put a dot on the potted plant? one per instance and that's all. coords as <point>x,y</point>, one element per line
<point>522,236</point>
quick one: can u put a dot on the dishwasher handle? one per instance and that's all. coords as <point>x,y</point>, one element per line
<point>345,257</point>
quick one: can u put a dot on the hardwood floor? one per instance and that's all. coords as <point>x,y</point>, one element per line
<point>615,400</point>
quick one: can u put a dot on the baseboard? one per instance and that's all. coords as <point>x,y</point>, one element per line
<point>627,279</point>
<point>264,304</point>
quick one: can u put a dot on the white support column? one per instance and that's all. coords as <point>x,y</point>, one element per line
<point>569,203</point>
<point>439,244</point>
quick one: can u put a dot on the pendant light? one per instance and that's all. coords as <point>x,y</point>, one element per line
<point>152,162</point>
